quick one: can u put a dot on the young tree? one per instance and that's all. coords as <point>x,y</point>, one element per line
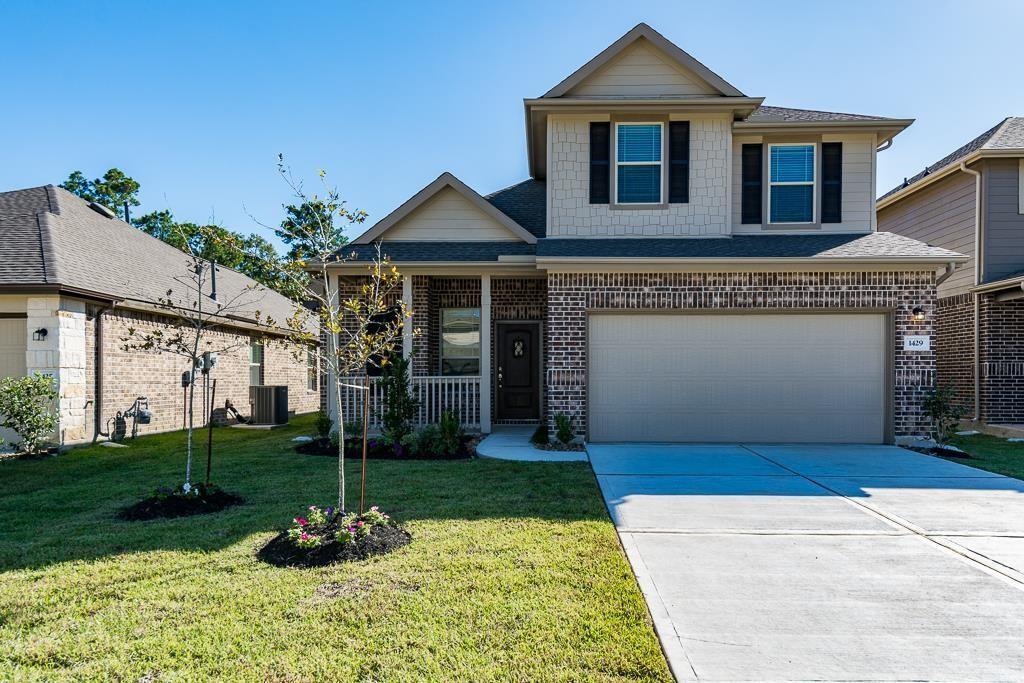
<point>360,330</point>
<point>113,190</point>
<point>192,317</point>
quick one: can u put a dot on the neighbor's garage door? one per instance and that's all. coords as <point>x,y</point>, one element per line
<point>755,377</point>
<point>12,347</point>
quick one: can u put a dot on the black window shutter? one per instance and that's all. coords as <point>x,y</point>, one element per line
<point>678,162</point>
<point>831,182</point>
<point>600,161</point>
<point>750,193</point>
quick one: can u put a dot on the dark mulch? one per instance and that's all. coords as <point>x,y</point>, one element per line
<point>575,447</point>
<point>41,455</point>
<point>382,539</point>
<point>941,452</point>
<point>380,450</point>
<point>178,505</point>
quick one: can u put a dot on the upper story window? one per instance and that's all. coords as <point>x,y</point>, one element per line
<point>791,191</point>
<point>638,165</point>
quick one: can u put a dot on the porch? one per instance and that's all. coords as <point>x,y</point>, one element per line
<point>477,351</point>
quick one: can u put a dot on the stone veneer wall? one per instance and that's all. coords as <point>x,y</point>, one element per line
<point>62,354</point>
<point>1002,361</point>
<point>570,213</point>
<point>130,374</point>
<point>572,295</point>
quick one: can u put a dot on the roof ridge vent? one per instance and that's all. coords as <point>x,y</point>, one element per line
<point>100,209</point>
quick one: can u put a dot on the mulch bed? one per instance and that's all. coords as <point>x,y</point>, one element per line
<point>565,447</point>
<point>281,552</point>
<point>41,455</point>
<point>178,505</point>
<point>380,450</point>
<point>941,452</point>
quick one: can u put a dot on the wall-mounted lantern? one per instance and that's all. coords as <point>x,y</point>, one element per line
<point>40,334</point>
<point>918,314</point>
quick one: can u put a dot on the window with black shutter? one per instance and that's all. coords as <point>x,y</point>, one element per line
<point>831,182</point>
<point>750,193</point>
<point>600,161</point>
<point>679,162</point>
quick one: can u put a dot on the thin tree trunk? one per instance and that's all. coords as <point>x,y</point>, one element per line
<point>209,442</point>
<point>366,422</point>
<point>341,443</point>
<point>188,448</point>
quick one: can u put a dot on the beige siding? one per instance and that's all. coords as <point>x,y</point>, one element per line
<point>570,213</point>
<point>941,215</point>
<point>858,182</point>
<point>449,216</point>
<point>12,303</point>
<point>642,69</point>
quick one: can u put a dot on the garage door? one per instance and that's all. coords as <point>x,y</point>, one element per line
<point>727,378</point>
<point>12,347</point>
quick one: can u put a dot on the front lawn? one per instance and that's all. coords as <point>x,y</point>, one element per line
<point>992,453</point>
<point>514,573</point>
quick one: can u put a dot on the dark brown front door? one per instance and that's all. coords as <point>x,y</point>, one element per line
<point>517,371</point>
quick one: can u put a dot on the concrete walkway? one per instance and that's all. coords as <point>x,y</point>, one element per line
<point>827,563</point>
<point>512,442</point>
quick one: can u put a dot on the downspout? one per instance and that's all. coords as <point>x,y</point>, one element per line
<point>977,281</point>
<point>97,403</point>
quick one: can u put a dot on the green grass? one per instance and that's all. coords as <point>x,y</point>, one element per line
<point>515,573</point>
<point>992,453</point>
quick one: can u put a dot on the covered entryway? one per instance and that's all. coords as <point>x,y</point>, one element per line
<point>755,377</point>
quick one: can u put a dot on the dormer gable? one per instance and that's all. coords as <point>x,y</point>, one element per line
<point>446,210</point>
<point>641,64</point>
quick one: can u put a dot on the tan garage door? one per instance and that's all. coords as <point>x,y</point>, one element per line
<point>12,347</point>
<point>734,378</point>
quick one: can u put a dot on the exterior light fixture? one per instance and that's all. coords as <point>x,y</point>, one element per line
<point>40,334</point>
<point>918,314</point>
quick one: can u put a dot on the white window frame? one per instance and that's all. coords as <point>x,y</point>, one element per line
<point>480,343</point>
<point>1020,186</point>
<point>260,364</point>
<point>616,163</point>
<point>312,370</point>
<point>813,183</point>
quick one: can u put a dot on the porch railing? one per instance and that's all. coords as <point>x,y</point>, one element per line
<point>434,395</point>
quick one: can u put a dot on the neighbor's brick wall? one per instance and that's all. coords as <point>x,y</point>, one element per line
<point>572,295</point>
<point>571,214</point>
<point>130,374</point>
<point>954,343</point>
<point>1002,361</point>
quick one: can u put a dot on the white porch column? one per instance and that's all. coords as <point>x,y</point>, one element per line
<point>408,327</point>
<point>485,354</point>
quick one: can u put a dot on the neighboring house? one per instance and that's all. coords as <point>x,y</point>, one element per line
<point>972,201</point>
<point>684,264</point>
<point>73,280</point>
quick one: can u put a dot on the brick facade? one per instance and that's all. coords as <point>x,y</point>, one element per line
<point>130,374</point>
<point>1001,342</point>
<point>572,295</point>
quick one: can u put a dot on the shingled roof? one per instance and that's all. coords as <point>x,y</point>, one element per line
<point>1008,134</point>
<point>765,114</point>
<point>50,237</point>
<point>525,203</point>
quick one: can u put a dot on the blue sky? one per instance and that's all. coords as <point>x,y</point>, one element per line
<point>195,99</point>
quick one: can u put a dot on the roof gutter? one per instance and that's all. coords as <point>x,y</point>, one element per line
<point>815,260</point>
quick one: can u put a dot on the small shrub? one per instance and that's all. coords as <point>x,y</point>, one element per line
<point>353,429</point>
<point>28,408</point>
<point>541,437</point>
<point>563,428</point>
<point>399,404</point>
<point>945,414</point>
<point>429,440</point>
<point>450,433</point>
<point>324,424</point>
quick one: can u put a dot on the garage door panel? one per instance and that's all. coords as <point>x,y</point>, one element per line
<point>791,377</point>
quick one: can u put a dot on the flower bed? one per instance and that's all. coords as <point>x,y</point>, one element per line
<point>169,502</point>
<point>378,449</point>
<point>324,536</point>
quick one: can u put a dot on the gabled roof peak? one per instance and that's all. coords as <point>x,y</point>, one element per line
<point>679,57</point>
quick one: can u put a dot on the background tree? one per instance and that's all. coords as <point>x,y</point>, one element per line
<point>360,330</point>
<point>192,317</point>
<point>113,190</point>
<point>305,218</point>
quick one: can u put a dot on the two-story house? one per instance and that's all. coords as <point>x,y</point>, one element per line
<point>684,264</point>
<point>972,201</point>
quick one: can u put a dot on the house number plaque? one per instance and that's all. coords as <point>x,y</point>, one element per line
<point>917,342</point>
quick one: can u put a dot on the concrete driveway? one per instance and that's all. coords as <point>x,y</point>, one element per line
<point>866,563</point>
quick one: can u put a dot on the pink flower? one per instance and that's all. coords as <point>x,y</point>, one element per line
<point>359,523</point>
<point>301,521</point>
<point>312,507</point>
<point>304,536</point>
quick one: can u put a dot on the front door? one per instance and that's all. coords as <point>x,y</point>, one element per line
<point>517,371</point>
